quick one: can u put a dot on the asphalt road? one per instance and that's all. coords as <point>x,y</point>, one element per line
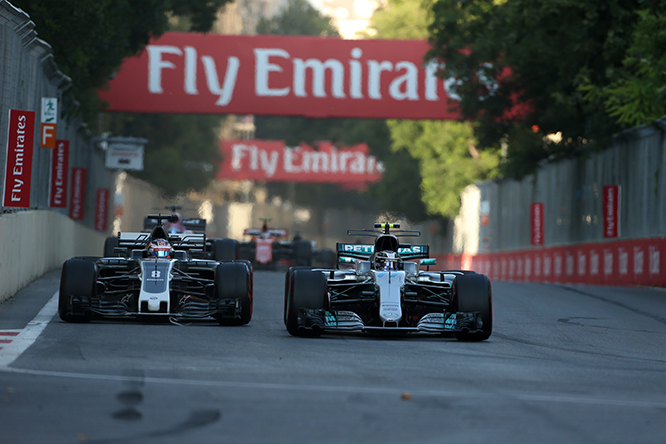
<point>565,364</point>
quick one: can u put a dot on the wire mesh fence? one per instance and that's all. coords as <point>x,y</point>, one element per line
<point>28,73</point>
<point>571,192</point>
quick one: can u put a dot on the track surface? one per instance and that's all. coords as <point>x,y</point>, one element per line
<point>574,364</point>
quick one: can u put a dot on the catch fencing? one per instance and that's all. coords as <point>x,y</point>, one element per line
<point>37,237</point>
<point>28,73</point>
<point>600,219</point>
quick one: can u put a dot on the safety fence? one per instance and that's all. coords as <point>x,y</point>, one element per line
<point>595,220</point>
<point>55,201</point>
<point>626,262</point>
<point>69,176</point>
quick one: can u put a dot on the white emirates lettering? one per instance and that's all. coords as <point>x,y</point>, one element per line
<point>355,78</point>
<point>296,160</point>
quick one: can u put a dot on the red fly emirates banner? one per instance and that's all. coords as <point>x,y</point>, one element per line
<point>611,203</point>
<point>76,210</point>
<point>281,75</point>
<point>59,171</point>
<point>18,166</point>
<point>267,160</point>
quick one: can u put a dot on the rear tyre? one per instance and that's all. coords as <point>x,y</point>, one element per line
<point>474,293</point>
<point>307,290</point>
<point>110,244</point>
<point>77,283</point>
<point>303,252</point>
<point>233,280</point>
<point>225,249</point>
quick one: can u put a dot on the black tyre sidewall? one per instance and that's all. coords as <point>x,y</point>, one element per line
<point>307,290</point>
<point>474,293</point>
<point>233,280</point>
<point>109,244</point>
<point>77,278</point>
<point>225,249</point>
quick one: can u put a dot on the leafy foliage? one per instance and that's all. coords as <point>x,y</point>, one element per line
<point>182,150</point>
<point>443,155</point>
<point>91,38</point>
<point>535,53</point>
<point>636,94</point>
<point>298,17</point>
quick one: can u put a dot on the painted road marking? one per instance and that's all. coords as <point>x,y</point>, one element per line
<point>20,340</point>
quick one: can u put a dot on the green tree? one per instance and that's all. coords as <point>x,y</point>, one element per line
<point>536,53</point>
<point>636,94</point>
<point>298,17</point>
<point>444,155</point>
<point>182,152</point>
<point>91,38</point>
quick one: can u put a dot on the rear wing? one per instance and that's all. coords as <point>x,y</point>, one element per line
<point>196,225</point>
<point>180,241</point>
<point>272,232</point>
<point>192,224</point>
<point>364,251</point>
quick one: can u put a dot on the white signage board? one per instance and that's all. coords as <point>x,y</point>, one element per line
<point>124,156</point>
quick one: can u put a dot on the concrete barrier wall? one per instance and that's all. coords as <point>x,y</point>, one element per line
<point>35,242</point>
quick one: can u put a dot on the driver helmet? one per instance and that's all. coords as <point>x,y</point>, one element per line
<point>160,248</point>
<point>385,260</point>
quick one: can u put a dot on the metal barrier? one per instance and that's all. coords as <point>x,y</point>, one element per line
<point>571,192</point>
<point>28,72</point>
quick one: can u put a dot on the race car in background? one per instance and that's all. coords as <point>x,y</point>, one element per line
<point>157,274</point>
<point>266,247</point>
<point>385,289</point>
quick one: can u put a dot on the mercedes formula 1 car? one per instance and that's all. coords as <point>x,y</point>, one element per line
<point>157,274</point>
<point>385,289</point>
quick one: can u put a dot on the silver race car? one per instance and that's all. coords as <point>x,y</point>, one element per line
<point>157,274</point>
<point>382,287</point>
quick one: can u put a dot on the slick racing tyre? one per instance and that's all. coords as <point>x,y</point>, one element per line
<point>474,293</point>
<point>307,290</point>
<point>109,245</point>
<point>77,288</point>
<point>302,252</point>
<point>233,280</point>
<point>225,249</point>
<point>288,282</point>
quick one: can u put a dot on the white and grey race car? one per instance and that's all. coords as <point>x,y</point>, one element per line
<point>385,289</point>
<point>157,274</point>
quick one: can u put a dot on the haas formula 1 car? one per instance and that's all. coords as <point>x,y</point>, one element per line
<point>385,289</point>
<point>157,274</point>
<point>217,249</point>
<point>266,249</point>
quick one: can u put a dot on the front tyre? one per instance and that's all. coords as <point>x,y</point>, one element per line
<point>307,291</point>
<point>474,294</point>
<point>233,280</point>
<point>77,288</point>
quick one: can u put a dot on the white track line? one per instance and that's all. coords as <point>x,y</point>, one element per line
<point>29,334</point>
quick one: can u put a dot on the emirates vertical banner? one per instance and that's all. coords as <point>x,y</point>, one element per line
<point>77,207</point>
<point>611,208</point>
<point>536,212</point>
<point>273,161</point>
<point>18,164</point>
<point>59,171</point>
<point>101,209</point>
<point>282,76</point>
